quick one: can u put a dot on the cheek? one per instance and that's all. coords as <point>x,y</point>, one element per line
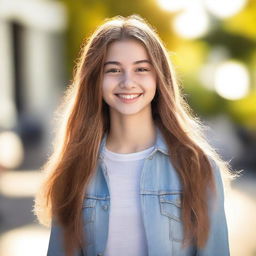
<point>106,86</point>
<point>151,88</point>
<point>153,83</point>
<point>147,79</point>
<point>110,82</point>
<point>150,83</point>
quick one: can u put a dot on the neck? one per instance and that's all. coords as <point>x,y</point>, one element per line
<point>131,133</point>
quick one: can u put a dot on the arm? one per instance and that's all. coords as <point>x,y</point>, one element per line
<point>56,246</point>
<point>217,243</point>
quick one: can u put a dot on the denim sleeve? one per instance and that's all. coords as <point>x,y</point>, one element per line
<point>56,242</point>
<point>217,243</point>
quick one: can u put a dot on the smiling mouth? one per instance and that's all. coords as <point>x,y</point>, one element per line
<point>129,96</point>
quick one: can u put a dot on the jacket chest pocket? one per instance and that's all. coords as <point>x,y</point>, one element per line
<point>89,210</point>
<point>170,206</point>
<point>89,218</point>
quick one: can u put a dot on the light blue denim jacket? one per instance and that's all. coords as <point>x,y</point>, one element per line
<point>160,194</point>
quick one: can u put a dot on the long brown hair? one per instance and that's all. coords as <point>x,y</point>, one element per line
<point>86,119</point>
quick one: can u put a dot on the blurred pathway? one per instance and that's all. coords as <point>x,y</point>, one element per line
<point>241,215</point>
<point>21,235</point>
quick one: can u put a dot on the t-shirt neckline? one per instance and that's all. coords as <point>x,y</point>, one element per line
<point>127,157</point>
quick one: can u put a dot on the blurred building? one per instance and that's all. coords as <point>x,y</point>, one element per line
<point>32,74</point>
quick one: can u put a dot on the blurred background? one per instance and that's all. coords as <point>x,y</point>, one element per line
<point>212,45</point>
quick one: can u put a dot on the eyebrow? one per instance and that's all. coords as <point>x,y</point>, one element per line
<point>118,63</point>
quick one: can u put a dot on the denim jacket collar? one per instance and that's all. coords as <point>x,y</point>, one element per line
<point>160,144</point>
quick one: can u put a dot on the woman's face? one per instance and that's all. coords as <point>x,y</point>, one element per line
<point>129,81</point>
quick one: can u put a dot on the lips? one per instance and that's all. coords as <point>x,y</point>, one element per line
<point>137,93</point>
<point>128,97</point>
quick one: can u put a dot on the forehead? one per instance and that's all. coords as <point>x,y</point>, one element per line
<point>129,49</point>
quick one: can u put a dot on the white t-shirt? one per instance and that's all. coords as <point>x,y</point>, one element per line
<point>126,234</point>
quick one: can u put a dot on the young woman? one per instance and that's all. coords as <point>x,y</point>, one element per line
<point>131,173</point>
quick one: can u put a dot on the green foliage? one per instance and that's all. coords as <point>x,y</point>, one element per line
<point>204,102</point>
<point>243,111</point>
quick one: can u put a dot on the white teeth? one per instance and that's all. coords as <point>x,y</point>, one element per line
<point>128,96</point>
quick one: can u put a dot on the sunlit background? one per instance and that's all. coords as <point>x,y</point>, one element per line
<point>212,44</point>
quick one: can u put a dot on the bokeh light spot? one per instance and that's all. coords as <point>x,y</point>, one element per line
<point>231,80</point>
<point>225,8</point>
<point>11,150</point>
<point>191,23</point>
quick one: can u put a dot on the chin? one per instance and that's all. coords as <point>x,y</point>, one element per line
<point>130,112</point>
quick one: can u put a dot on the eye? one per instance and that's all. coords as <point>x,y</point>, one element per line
<point>143,69</point>
<point>113,70</point>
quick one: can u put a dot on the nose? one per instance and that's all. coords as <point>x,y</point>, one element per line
<point>127,81</point>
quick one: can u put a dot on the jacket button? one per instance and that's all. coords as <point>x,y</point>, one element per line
<point>151,157</point>
<point>105,207</point>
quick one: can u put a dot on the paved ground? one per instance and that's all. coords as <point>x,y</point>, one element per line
<point>21,235</point>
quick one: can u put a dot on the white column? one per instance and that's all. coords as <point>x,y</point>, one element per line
<point>43,70</point>
<point>7,103</point>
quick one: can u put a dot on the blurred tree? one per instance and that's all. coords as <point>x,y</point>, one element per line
<point>244,111</point>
